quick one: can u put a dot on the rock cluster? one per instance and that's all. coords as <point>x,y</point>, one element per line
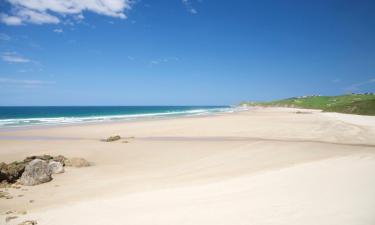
<point>112,138</point>
<point>35,170</point>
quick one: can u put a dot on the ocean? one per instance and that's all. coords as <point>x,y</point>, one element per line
<point>21,116</point>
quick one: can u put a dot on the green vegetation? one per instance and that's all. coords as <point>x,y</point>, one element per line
<point>362,104</point>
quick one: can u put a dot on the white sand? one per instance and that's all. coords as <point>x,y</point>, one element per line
<point>264,166</point>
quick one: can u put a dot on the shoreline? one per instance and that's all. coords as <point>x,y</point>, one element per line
<point>263,160</point>
<point>125,119</point>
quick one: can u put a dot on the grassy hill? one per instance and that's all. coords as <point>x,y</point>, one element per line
<point>354,103</point>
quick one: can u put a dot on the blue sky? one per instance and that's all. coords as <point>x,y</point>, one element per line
<point>183,52</point>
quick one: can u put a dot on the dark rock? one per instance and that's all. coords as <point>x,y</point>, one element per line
<point>9,218</point>
<point>113,138</point>
<point>11,172</point>
<point>36,172</point>
<point>28,222</point>
<point>42,157</point>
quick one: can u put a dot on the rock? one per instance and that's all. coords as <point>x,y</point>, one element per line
<point>61,159</point>
<point>9,218</point>
<point>9,212</point>
<point>56,167</point>
<point>22,212</point>
<point>11,172</point>
<point>42,157</point>
<point>3,194</point>
<point>36,172</point>
<point>5,184</point>
<point>113,138</point>
<point>28,222</point>
<point>77,162</point>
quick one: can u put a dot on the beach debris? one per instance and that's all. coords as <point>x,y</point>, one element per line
<point>113,138</point>
<point>9,218</point>
<point>28,222</point>
<point>31,201</point>
<point>36,172</point>
<point>77,162</point>
<point>56,167</point>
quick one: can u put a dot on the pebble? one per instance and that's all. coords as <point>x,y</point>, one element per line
<point>9,218</point>
<point>28,222</point>
<point>22,212</point>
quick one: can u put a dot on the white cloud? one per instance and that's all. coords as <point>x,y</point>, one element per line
<point>189,7</point>
<point>52,11</point>
<point>13,57</point>
<point>4,37</point>
<point>10,20</point>
<point>25,82</point>
<point>58,30</point>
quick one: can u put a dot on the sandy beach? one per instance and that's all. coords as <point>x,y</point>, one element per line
<point>261,166</point>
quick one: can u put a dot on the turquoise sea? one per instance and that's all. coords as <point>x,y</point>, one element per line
<point>20,116</point>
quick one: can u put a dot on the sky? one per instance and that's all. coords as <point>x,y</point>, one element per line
<point>183,52</point>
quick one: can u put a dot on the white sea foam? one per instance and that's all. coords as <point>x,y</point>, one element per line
<point>23,122</point>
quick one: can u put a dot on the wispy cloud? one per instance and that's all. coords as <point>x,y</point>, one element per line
<point>358,86</point>
<point>25,70</point>
<point>12,57</point>
<point>15,81</point>
<point>53,11</point>
<point>58,30</point>
<point>4,37</point>
<point>189,7</point>
<point>155,62</point>
<point>20,83</point>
